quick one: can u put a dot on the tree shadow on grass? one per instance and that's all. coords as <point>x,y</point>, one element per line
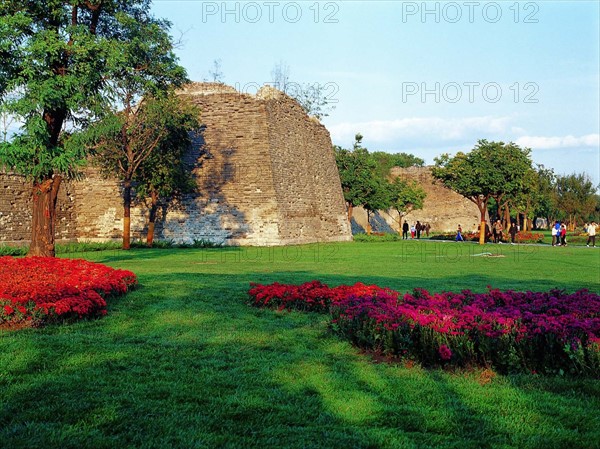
<point>183,362</point>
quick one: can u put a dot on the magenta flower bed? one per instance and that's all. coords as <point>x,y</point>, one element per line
<point>549,332</point>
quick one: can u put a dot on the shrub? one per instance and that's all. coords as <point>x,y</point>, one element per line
<point>546,332</point>
<point>36,290</point>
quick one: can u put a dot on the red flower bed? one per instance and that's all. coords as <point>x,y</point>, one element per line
<point>310,296</point>
<point>512,331</point>
<point>528,237</point>
<point>41,289</point>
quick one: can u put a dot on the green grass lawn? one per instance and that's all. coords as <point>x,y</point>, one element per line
<point>183,362</point>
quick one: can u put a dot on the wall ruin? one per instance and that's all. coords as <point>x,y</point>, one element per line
<point>443,208</point>
<point>265,172</point>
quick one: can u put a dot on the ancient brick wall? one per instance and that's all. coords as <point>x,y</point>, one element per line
<point>236,201</point>
<point>265,173</point>
<point>310,201</point>
<point>443,209</point>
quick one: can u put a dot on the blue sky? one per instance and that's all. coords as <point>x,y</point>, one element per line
<point>418,77</point>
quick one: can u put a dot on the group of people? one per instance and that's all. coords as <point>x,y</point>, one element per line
<point>415,230</point>
<point>495,234</point>
<point>559,234</point>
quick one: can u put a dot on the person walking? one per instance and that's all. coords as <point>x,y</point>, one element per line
<point>459,237</point>
<point>418,227</point>
<point>405,231</point>
<point>513,232</point>
<point>591,231</point>
<point>427,229</point>
<point>413,230</point>
<point>498,231</point>
<point>554,234</point>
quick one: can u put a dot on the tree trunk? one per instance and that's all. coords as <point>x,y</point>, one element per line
<point>506,216</point>
<point>127,215</point>
<point>482,209</point>
<point>45,194</point>
<point>350,207</point>
<point>152,218</point>
<point>368,223</point>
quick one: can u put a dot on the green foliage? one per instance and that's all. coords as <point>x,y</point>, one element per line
<point>377,237</point>
<point>386,161</point>
<point>64,65</point>
<point>163,172</point>
<point>575,196</point>
<point>406,196</point>
<point>357,173</point>
<point>490,170</point>
<point>364,178</point>
<point>145,143</point>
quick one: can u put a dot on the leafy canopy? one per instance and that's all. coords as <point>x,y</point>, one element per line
<point>489,170</point>
<point>67,61</point>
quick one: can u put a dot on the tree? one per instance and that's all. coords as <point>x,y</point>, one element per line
<point>68,60</point>
<point>357,171</point>
<point>377,196</point>
<point>544,195</point>
<point>8,119</point>
<point>406,197</point>
<point>280,75</point>
<point>491,169</point>
<point>524,201</point>
<point>164,174</point>
<point>216,73</point>
<point>311,97</point>
<point>576,197</point>
<point>134,142</point>
<point>364,185</point>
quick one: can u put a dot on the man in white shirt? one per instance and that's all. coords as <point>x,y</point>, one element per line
<point>591,234</point>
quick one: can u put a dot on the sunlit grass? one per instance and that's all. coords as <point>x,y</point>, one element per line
<point>183,362</point>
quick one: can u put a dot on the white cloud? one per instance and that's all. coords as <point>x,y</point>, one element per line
<point>430,129</point>
<point>552,143</point>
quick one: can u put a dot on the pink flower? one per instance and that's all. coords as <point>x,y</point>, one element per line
<point>445,352</point>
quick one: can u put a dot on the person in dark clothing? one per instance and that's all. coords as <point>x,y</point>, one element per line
<point>513,232</point>
<point>405,231</point>
<point>419,228</point>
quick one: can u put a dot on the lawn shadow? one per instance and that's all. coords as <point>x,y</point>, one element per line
<point>184,362</point>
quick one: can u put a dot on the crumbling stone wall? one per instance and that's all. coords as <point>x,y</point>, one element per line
<point>443,208</point>
<point>265,172</point>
